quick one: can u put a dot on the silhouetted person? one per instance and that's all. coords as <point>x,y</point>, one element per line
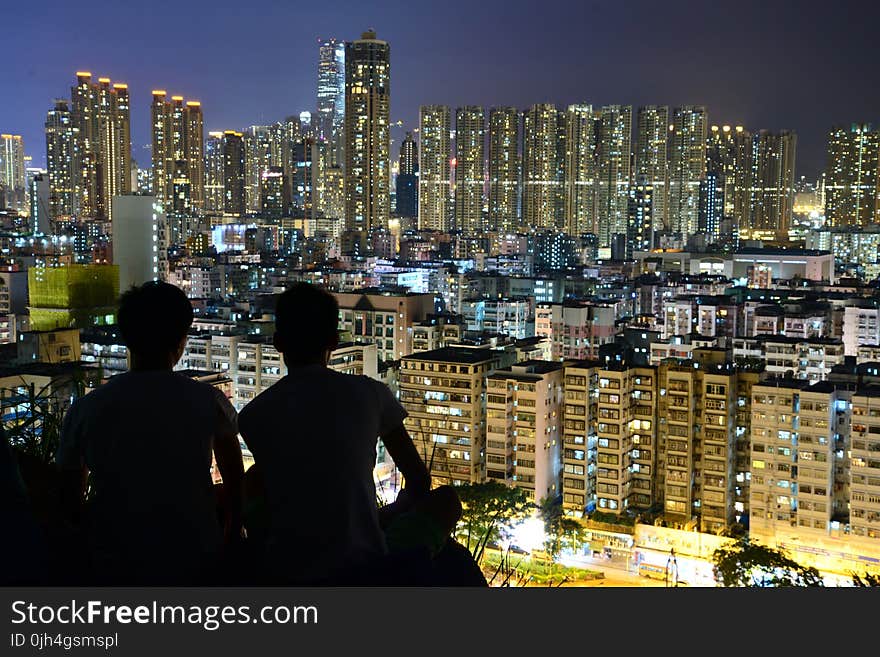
<point>144,442</point>
<point>314,436</point>
<point>23,550</point>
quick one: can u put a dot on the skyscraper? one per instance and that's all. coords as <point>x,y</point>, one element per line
<point>613,164</point>
<point>13,182</point>
<point>367,132</point>
<point>687,166</point>
<point>651,153</point>
<point>772,197</point>
<point>580,170</point>
<point>331,98</point>
<point>543,156</point>
<point>214,166</point>
<point>178,149</point>
<point>101,114</point>
<point>852,193</point>
<point>233,173</point>
<point>62,160</point>
<point>729,155</point>
<point>274,195</point>
<point>711,208</point>
<point>434,154</point>
<point>640,222</point>
<point>257,160</point>
<point>470,169</point>
<point>503,168</point>
<point>407,184</point>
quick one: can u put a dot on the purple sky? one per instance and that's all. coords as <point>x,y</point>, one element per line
<point>770,64</point>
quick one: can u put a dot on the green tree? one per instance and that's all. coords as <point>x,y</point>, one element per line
<point>560,531</point>
<point>746,563</point>
<point>489,510</point>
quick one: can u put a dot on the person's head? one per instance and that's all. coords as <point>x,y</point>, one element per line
<point>154,319</point>
<point>306,323</point>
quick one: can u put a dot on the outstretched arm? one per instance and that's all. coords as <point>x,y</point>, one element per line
<point>417,481</point>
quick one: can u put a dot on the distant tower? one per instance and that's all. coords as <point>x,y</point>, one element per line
<point>434,171</point>
<point>651,151</point>
<point>613,164</point>
<point>331,98</point>
<point>687,166</point>
<point>62,161</point>
<point>543,155</point>
<point>470,169</point>
<point>852,193</point>
<point>580,170</point>
<point>233,173</point>
<point>407,185</point>
<point>503,168</point>
<point>12,172</point>
<point>772,198</point>
<point>101,114</point>
<point>178,149</point>
<point>214,166</point>
<point>729,154</point>
<point>367,133</point>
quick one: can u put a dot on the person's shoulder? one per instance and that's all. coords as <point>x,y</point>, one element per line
<point>259,406</point>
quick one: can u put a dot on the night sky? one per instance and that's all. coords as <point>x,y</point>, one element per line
<point>776,65</point>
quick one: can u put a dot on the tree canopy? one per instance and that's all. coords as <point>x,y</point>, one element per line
<point>747,563</point>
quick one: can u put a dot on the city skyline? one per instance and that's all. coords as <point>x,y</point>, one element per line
<point>814,94</point>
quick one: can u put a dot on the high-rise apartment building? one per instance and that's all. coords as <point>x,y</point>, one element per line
<point>542,173</point>
<point>711,208</point>
<point>524,427</point>
<point>214,166</point>
<point>729,156</point>
<point>62,160</point>
<point>331,99</point>
<point>470,169</point>
<point>613,166</point>
<point>13,184</point>
<point>687,166</point>
<point>852,192</point>
<point>503,168</point>
<point>443,392</point>
<point>652,134</point>
<point>434,171</point>
<point>367,133</point>
<point>407,183</point>
<point>259,155</point>
<point>100,112</point>
<point>640,217</point>
<point>580,170</point>
<point>233,173</point>
<point>178,149</point>
<point>772,187</point>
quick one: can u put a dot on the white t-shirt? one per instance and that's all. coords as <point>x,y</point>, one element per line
<point>314,435</point>
<point>147,439</point>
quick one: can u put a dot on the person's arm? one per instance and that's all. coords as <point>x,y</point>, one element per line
<point>227,453</point>
<point>417,481</point>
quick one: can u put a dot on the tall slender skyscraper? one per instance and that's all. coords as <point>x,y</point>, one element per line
<point>687,166</point>
<point>214,167</point>
<point>543,157</point>
<point>13,182</point>
<point>178,149</point>
<point>503,168</point>
<point>257,160</point>
<point>101,113</point>
<point>62,161</point>
<point>470,169</point>
<point>651,135</point>
<point>614,167</point>
<point>234,173</point>
<point>434,173</point>
<point>331,99</point>
<point>772,198</point>
<point>367,133</point>
<point>852,192</point>
<point>407,184</point>
<point>580,170</point>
